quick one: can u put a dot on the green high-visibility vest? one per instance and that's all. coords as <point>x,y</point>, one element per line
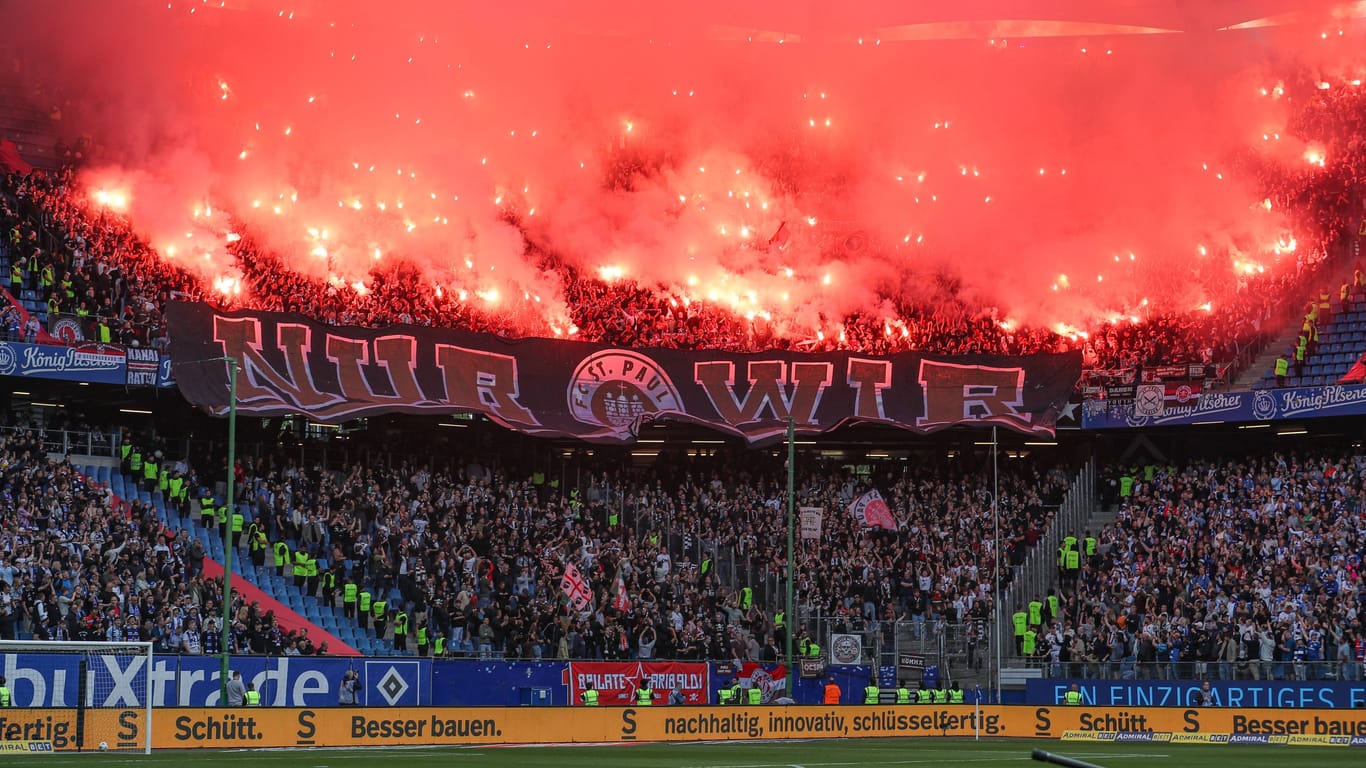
<point>363,602</point>
<point>1028,645</point>
<point>1053,603</point>
<point>329,580</point>
<point>870,694</point>
<point>813,650</point>
<point>252,698</point>
<point>124,450</point>
<point>300,561</point>
<point>164,479</point>
<point>755,696</point>
<point>401,623</point>
<point>439,649</point>
<point>706,566</point>
<point>924,696</point>
<point>1073,698</point>
<point>1021,621</point>
<point>377,609</point>
<point>1073,563</point>
<point>724,695</point>
<point>941,696</point>
<point>1126,486</point>
<point>613,519</point>
<point>1090,546</point>
<point>106,333</point>
<point>282,554</point>
<point>222,514</point>
<point>149,470</point>
<point>1035,612</point>
<point>5,697</point>
<point>903,695</point>
<point>644,697</point>
<point>779,619</point>
<point>746,598</point>
<point>590,698</point>
<point>349,592</point>
<point>956,696</point>
<point>135,462</point>
<point>1282,367</point>
<point>238,521</point>
<point>177,486</point>
<point>421,635</point>
<point>312,571</point>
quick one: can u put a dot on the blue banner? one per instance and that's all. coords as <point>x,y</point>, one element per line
<point>87,361</point>
<point>1181,693</point>
<point>90,362</point>
<point>53,680</point>
<point>1226,407</point>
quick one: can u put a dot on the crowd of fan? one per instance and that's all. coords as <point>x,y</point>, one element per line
<point>1223,570</point>
<point>678,559</point>
<point>78,565</point>
<point>101,270</point>
<point>85,264</point>
<point>476,556</point>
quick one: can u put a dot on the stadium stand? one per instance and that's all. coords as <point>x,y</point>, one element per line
<point>683,560</point>
<point>90,556</point>
<point>1244,569</point>
<point>1332,338</point>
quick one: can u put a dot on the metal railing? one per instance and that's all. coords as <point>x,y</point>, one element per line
<point>70,441</point>
<point>1039,570</point>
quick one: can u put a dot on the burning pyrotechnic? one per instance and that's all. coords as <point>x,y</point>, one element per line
<point>781,181</point>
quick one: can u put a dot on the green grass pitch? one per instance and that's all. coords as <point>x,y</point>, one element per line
<point>768,754</point>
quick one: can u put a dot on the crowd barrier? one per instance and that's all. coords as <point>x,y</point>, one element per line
<point>53,680</point>
<point>182,728</point>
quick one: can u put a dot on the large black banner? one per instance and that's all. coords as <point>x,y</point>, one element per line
<point>593,391</point>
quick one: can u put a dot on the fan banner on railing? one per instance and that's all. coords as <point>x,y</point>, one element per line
<point>595,392</point>
<point>617,681</point>
<point>1333,400</point>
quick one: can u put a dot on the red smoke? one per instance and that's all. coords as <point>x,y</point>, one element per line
<point>781,158</point>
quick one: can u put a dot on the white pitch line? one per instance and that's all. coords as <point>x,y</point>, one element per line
<point>996,758</point>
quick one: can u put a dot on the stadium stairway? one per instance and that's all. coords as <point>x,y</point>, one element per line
<point>322,619</point>
<point>1341,343</point>
<point>1101,516</point>
<point>1266,361</point>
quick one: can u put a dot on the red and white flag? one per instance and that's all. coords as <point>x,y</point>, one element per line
<point>576,587</point>
<point>872,511</point>
<point>622,601</point>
